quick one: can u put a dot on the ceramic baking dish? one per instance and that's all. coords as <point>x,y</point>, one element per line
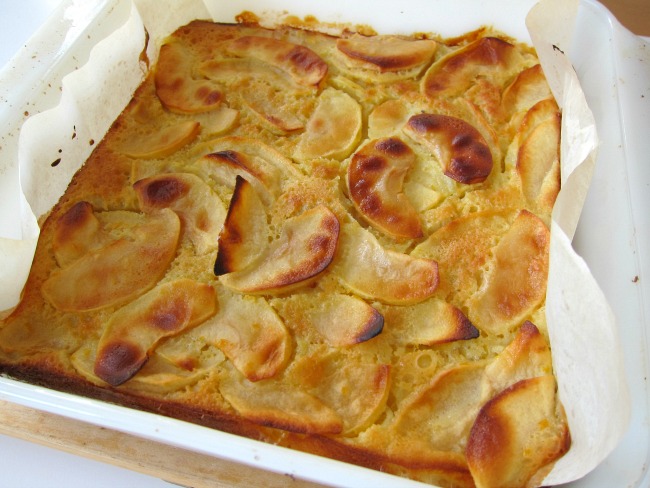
<point>614,69</point>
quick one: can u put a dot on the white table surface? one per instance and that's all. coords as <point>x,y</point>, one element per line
<point>24,464</point>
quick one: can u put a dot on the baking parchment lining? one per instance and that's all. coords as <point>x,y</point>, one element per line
<point>586,352</point>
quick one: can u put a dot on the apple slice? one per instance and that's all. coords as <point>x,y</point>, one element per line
<point>387,119</point>
<point>278,405</point>
<point>461,149</point>
<point>455,72</point>
<point>516,283</point>
<point>527,356</point>
<point>301,63</point>
<point>234,70</point>
<point>76,233</point>
<point>198,207</point>
<point>162,142</point>
<point>254,148</point>
<point>440,416</point>
<point>135,329</point>
<point>543,111</point>
<point>386,53</point>
<point>218,121</point>
<point>528,88</point>
<point>462,248</point>
<point>304,248</point>
<point>273,116</point>
<point>118,272</point>
<point>159,374</point>
<point>376,182</point>
<point>334,128</point>
<point>431,322</point>
<point>517,435</point>
<point>177,89</point>
<point>342,320</point>
<point>265,168</point>
<point>244,233</point>
<point>250,334</point>
<point>190,350</point>
<point>538,158</point>
<point>227,166</point>
<point>371,271</point>
<point>357,393</point>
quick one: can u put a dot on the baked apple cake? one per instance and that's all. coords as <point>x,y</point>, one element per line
<point>338,244</point>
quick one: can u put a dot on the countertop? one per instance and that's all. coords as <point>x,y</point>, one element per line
<point>38,459</point>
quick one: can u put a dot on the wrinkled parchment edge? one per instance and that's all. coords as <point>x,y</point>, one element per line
<point>581,324</point>
<point>582,328</point>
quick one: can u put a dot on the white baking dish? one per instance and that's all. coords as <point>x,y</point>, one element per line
<point>614,69</point>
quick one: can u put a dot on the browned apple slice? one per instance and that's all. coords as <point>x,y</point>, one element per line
<point>461,149</point>
<point>528,88</point>
<point>527,356</point>
<point>83,361</point>
<point>387,53</point>
<point>538,158</point>
<point>76,233</point>
<point>227,166</point>
<point>456,71</point>
<point>135,329</point>
<point>431,322</point>
<point>199,208</point>
<point>334,128</point>
<point>118,272</point>
<point>254,148</point>
<point>304,248</point>
<point>371,271</point>
<point>159,374</point>
<point>163,142</point>
<point>250,334</point>
<point>244,233</point>
<point>357,393</point>
<point>300,62</point>
<point>275,404</point>
<point>440,415</point>
<point>343,320</point>
<point>517,281</point>
<point>376,185</point>
<point>262,166</point>
<point>177,89</point>
<point>517,434</point>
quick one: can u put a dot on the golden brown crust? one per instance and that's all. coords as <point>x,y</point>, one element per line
<point>338,245</point>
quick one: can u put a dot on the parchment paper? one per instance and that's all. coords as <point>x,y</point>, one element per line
<point>584,339</point>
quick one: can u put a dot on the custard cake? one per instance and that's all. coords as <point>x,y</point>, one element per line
<point>337,244</point>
